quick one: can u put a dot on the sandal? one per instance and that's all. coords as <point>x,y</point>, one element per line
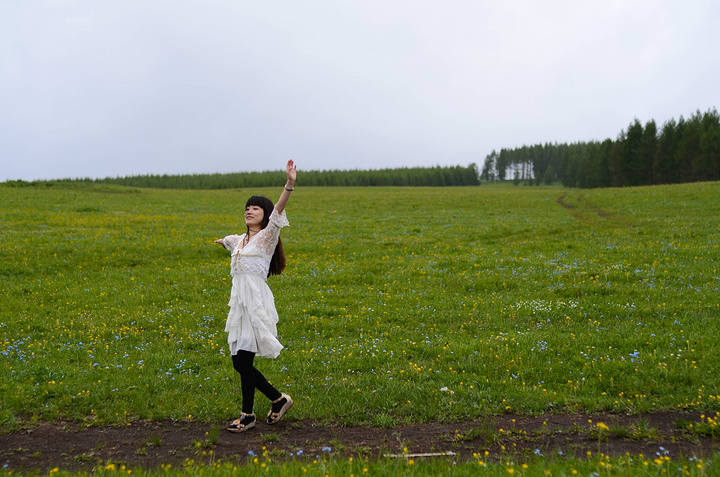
<point>279,408</point>
<point>244,423</point>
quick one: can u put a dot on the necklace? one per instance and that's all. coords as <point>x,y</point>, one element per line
<point>247,236</point>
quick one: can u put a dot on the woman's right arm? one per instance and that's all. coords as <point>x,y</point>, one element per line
<point>229,242</point>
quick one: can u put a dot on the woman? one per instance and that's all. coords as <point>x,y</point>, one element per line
<point>252,320</point>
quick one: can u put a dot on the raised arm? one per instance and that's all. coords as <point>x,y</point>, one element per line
<point>291,171</point>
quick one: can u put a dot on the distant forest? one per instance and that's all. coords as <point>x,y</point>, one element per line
<point>686,150</point>
<point>415,176</point>
<point>682,151</point>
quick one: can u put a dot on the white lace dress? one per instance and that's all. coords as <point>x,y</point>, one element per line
<point>252,321</point>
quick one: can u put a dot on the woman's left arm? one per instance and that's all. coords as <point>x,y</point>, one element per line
<point>291,171</point>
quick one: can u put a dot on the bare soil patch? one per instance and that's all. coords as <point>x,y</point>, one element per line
<point>72,446</point>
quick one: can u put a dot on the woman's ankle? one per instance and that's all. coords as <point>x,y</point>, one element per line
<point>278,404</point>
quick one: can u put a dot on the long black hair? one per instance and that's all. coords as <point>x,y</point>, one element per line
<point>277,263</point>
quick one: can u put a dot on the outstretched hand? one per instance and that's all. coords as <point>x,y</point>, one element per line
<point>289,186</point>
<point>291,170</point>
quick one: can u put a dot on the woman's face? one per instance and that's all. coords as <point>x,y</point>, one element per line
<point>254,215</point>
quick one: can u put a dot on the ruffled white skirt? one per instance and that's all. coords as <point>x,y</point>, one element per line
<point>252,321</point>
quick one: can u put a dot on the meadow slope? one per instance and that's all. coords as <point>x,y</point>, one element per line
<point>399,306</point>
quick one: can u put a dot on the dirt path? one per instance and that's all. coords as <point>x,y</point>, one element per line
<point>151,444</point>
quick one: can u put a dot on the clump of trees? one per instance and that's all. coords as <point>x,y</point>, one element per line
<point>686,150</point>
<point>407,176</point>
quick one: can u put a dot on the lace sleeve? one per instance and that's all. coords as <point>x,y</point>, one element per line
<point>267,239</point>
<point>231,241</point>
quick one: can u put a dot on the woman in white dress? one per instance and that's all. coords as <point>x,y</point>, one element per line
<point>252,321</point>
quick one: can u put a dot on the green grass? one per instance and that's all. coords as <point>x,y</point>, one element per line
<point>398,305</point>
<point>413,466</point>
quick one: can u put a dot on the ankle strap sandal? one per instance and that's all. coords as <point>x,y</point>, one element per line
<point>244,423</point>
<point>279,408</point>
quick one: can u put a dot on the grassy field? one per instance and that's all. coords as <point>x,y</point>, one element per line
<point>399,305</point>
<point>540,467</point>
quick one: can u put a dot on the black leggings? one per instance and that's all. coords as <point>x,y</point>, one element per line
<point>250,379</point>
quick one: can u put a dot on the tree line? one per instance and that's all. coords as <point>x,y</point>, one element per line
<point>686,150</point>
<point>408,176</point>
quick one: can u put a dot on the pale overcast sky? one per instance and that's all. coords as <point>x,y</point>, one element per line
<point>115,88</point>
